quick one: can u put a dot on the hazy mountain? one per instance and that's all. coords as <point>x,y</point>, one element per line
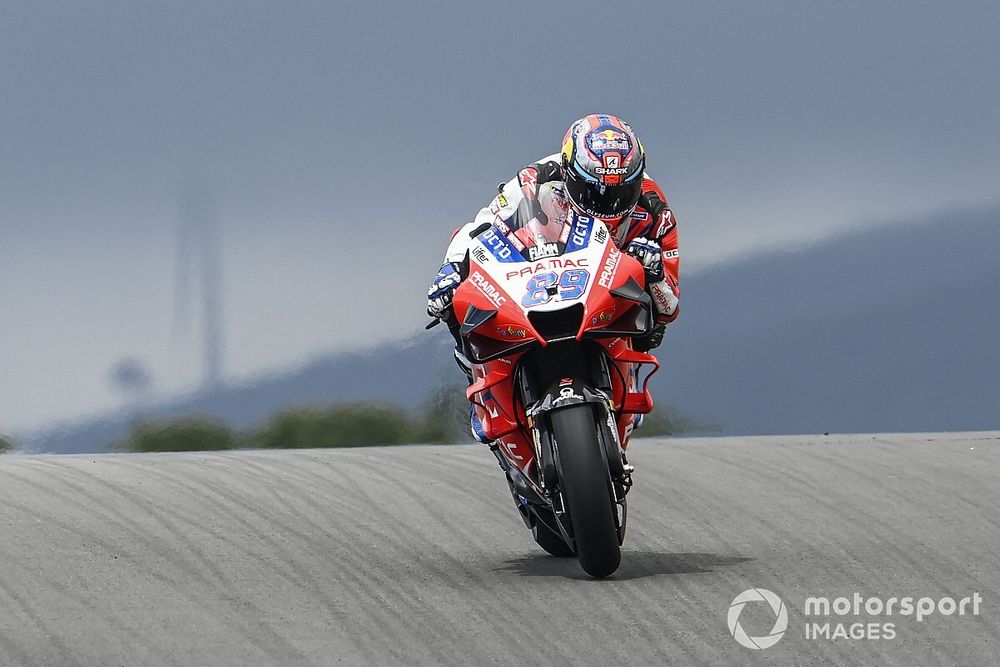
<point>893,329</point>
<point>405,374</point>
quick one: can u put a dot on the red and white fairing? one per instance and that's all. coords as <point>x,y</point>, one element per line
<point>577,264</point>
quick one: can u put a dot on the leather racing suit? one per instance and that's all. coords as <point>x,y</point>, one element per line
<point>537,191</point>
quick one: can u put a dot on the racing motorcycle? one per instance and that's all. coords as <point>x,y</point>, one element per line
<point>547,314</point>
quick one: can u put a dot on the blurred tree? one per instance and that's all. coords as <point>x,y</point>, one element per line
<point>354,425</point>
<point>669,421</point>
<point>131,377</point>
<point>187,435</point>
<point>5,444</point>
<point>133,381</point>
<point>444,416</point>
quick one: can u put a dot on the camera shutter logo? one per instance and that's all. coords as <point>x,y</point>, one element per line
<point>780,622</point>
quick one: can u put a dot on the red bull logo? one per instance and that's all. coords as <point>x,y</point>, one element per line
<point>608,140</point>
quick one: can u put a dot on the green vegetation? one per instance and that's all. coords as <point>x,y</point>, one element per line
<point>443,418</point>
<point>346,425</point>
<point>190,434</point>
<point>5,444</point>
<point>439,420</point>
<point>356,425</point>
<point>445,415</point>
<point>668,421</point>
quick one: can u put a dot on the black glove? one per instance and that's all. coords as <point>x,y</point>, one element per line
<point>650,341</point>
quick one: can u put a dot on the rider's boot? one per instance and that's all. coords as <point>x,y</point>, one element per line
<point>475,424</point>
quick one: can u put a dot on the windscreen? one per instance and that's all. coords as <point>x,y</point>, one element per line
<point>541,238</point>
<point>541,228</point>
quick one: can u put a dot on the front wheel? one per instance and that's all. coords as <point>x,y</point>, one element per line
<point>585,483</point>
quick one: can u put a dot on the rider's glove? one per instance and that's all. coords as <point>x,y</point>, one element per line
<point>651,340</point>
<point>442,290</point>
<point>650,255</point>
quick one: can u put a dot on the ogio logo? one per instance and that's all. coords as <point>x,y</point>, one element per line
<point>780,622</point>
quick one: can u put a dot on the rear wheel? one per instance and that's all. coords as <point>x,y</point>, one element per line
<point>584,479</point>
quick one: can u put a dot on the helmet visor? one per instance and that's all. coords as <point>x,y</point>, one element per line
<point>603,201</point>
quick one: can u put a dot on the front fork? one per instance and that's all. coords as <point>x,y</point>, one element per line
<point>563,394</point>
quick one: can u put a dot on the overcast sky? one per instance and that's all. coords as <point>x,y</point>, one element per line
<point>342,142</point>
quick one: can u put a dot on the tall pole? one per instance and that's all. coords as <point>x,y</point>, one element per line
<point>198,253</point>
<point>211,278</point>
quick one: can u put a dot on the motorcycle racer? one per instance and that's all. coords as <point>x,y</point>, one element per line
<point>600,172</point>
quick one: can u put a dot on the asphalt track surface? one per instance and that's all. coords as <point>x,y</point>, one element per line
<point>414,555</point>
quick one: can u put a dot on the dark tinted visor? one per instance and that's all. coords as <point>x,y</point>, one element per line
<point>608,201</point>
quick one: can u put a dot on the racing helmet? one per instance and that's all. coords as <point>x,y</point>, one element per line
<point>602,167</point>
